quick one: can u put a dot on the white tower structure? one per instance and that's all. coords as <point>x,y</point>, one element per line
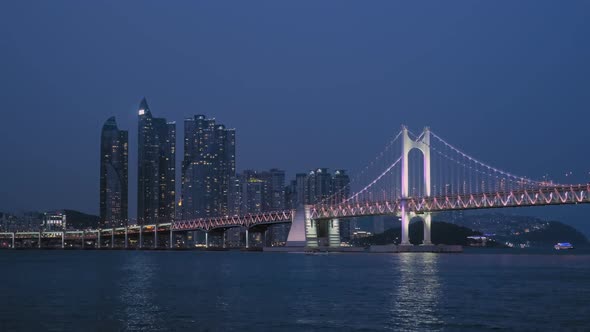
<point>422,143</point>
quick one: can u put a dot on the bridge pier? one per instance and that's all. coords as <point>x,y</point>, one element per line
<point>170,246</point>
<point>39,244</point>
<point>311,232</point>
<point>156,237</point>
<point>126,237</point>
<point>206,239</point>
<point>83,239</point>
<point>13,240</point>
<point>140,245</point>
<point>427,229</point>
<point>113,238</point>
<point>334,233</point>
<point>63,239</point>
<point>405,230</point>
<point>247,239</point>
<point>223,239</point>
<point>98,237</point>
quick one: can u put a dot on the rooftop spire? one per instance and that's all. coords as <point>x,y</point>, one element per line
<point>143,107</point>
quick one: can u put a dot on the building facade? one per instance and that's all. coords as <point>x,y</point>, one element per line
<point>114,145</point>
<point>208,168</point>
<point>156,192</point>
<point>317,186</point>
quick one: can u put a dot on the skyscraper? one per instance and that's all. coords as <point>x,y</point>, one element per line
<point>208,167</point>
<point>156,193</point>
<point>113,175</point>
<point>340,186</point>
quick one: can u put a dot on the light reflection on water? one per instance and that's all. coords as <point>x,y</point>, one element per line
<point>206,291</point>
<point>414,298</point>
<point>141,312</point>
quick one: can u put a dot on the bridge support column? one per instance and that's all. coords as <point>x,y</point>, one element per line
<point>39,244</point>
<point>63,239</point>
<point>297,232</point>
<point>170,245</point>
<point>13,241</point>
<point>206,239</point>
<point>247,239</point>
<point>83,239</point>
<point>334,233</point>
<point>427,229</point>
<point>98,242</point>
<point>126,237</point>
<point>223,239</point>
<point>156,237</point>
<point>113,238</point>
<point>405,225</point>
<point>311,232</point>
<point>140,245</point>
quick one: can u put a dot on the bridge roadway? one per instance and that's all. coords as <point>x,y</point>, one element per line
<point>547,195</point>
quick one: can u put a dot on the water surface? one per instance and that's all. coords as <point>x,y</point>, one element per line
<point>219,291</point>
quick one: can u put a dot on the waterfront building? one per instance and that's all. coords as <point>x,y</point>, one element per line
<point>208,168</point>
<point>53,222</point>
<point>156,193</point>
<point>113,175</point>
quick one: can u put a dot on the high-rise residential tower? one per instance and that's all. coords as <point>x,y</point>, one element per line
<point>156,173</point>
<point>113,175</point>
<point>208,168</point>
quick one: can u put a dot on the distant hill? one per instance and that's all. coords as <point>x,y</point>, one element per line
<point>555,232</point>
<point>81,220</point>
<point>442,233</point>
<point>522,230</point>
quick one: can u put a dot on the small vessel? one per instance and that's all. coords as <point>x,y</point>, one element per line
<point>316,253</point>
<point>563,246</point>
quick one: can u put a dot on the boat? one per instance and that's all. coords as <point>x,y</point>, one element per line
<point>316,253</point>
<point>563,246</point>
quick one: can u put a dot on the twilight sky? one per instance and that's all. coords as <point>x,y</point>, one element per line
<point>305,83</point>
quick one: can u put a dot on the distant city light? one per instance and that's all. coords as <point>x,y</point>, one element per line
<point>141,112</point>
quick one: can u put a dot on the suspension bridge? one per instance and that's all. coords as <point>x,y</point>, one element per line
<point>414,176</point>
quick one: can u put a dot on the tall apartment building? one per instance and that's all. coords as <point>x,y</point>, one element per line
<point>114,145</point>
<point>156,192</point>
<point>208,167</point>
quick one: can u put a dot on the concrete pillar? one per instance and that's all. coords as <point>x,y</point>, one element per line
<point>98,237</point>
<point>427,229</point>
<point>83,239</point>
<point>247,239</point>
<point>170,245</point>
<point>206,239</point>
<point>223,238</point>
<point>156,237</point>
<point>39,244</point>
<point>297,232</point>
<point>63,239</point>
<point>140,237</point>
<point>334,233</point>
<point>13,241</point>
<point>126,237</point>
<point>311,230</point>
<point>113,238</point>
<point>405,224</point>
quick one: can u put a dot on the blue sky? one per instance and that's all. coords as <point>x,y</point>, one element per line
<point>305,83</point>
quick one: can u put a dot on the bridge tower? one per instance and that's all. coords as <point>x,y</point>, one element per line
<point>423,145</point>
